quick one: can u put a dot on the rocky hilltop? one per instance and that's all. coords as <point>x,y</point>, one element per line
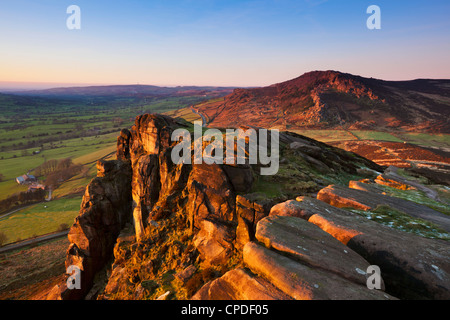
<point>149,228</point>
<point>332,99</point>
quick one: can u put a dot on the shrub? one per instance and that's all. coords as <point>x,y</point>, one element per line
<point>63,227</point>
<point>3,238</point>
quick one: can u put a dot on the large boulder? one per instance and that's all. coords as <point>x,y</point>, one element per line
<point>393,179</point>
<point>366,186</point>
<point>210,195</point>
<point>394,182</point>
<point>239,284</point>
<point>290,208</point>
<point>412,267</point>
<point>214,241</point>
<point>312,246</point>
<point>211,212</point>
<point>303,282</point>
<point>343,197</point>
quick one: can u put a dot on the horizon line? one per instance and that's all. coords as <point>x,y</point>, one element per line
<point>9,86</point>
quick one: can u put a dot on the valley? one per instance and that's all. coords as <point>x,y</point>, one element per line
<point>66,124</point>
<point>80,124</point>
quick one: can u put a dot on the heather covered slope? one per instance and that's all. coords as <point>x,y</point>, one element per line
<point>331,99</point>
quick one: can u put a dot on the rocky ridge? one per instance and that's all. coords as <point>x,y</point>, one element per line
<point>181,231</point>
<point>332,99</point>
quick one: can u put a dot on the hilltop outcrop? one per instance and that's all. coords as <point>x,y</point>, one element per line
<point>150,228</point>
<point>332,99</point>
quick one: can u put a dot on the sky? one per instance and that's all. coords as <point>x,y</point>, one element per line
<point>219,42</point>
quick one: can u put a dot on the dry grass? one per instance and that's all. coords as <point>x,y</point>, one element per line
<point>29,273</point>
<point>185,113</point>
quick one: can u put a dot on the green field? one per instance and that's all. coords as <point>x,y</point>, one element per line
<point>436,140</point>
<point>39,219</point>
<point>46,217</point>
<point>327,135</point>
<point>78,183</point>
<point>80,151</point>
<point>34,130</point>
<point>375,135</point>
<point>185,113</point>
<point>330,135</point>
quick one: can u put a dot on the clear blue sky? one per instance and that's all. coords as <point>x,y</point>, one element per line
<point>220,42</point>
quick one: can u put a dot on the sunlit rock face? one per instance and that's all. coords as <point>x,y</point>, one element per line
<point>105,209</point>
<point>157,219</point>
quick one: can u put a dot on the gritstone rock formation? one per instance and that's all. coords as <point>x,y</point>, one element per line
<point>178,231</point>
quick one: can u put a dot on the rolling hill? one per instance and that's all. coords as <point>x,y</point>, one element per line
<point>331,99</point>
<point>136,91</point>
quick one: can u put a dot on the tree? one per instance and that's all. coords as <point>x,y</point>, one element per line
<point>64,164</point>
<point>2,177</point>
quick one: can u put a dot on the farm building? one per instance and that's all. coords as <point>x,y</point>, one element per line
<point>26,179</point>
<point>36,186</point>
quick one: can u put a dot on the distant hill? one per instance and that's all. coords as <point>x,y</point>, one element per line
<point>129,91</point>
<point>331,99</point>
